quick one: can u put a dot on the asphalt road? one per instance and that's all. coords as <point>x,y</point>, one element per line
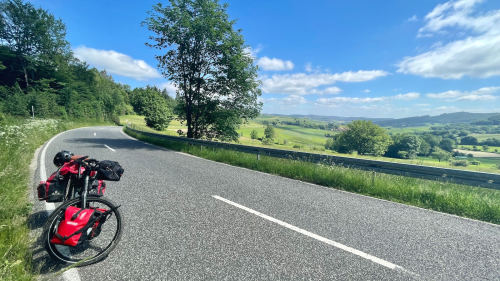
<point>262,227</point>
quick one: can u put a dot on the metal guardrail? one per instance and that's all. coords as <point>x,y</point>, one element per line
<point>488,180</point>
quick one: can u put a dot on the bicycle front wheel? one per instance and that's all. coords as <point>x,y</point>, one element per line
<point>99,241</point>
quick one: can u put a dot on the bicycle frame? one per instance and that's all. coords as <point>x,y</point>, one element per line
<point>85,186</point>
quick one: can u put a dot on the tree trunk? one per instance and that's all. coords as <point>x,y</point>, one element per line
<point>189,122</point>
<point>26,78</point>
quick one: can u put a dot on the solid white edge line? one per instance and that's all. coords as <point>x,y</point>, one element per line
<point>72,273</point>
<point>109,148</point>
<point>312,235</point>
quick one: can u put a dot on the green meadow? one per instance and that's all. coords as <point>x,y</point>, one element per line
<point>292,137</point>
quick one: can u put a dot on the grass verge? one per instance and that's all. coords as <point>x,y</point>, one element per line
<point>467,201</point>
<point>18,141</point>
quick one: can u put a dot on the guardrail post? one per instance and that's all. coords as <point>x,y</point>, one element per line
<point>258,155</point>
<point>373,179</point>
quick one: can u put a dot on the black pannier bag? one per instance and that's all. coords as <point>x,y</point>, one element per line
<point>54,189</point>
<point>109,170</point>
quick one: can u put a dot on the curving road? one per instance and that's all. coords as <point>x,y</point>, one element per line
<point>188,218</point>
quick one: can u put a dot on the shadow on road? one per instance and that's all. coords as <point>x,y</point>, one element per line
<point>37,220</point>
<point>113,143</point>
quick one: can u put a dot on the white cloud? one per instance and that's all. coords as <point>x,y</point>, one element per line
<point>274,64</point>
<point>475,56</point>
<point>482,94</point>
<point>170,87</point>
<point>444,108</point>
<point>351,100</point>
<point>294,99</point>
<point>304,83</point>
<point>253,52</point>
<point>116,63</point>
<point>291,100</point>
<point>367,91</point>
<point>407,96</point>
<point>458,14</point>
<point>412,18</point>
<point>332,90</point>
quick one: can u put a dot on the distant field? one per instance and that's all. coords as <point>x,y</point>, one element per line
<point>407,130</point>
<point>482,137</point>
<point>290,137</point>
<point>493,149</point>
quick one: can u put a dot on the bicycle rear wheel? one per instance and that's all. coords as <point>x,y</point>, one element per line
<point>96,246</point>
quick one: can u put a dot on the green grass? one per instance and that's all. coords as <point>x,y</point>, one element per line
<point>291,137</point>
<point>482,137</point>
<point>473,202</point>
<point>492,149</point>
<point>18,141</point>
<point>407,130</point>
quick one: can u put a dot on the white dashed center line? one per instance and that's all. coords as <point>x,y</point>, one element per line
<point>312,235</point>
<point>109,148</point>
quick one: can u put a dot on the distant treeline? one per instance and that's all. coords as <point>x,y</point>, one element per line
<point>446,118</point>
<point>439,142</point>
<point>304,123</point>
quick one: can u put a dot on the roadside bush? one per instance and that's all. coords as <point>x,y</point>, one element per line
<point>253,134</point>
<point>267,141</point>
<point>116,120</point>
<point>475,162</point>
<point>462,163</point>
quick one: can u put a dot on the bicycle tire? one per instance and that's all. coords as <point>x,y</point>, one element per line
<point>56,216</point>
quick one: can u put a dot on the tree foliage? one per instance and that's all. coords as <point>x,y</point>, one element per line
<point>470,140</point>
<point>207,61</point>
<point>364,137</point>
<point>269,132</point>
<point>404,146</point>
<point>34,35</point>
<point>440,154</point>
<point>40,70</point>
<point>253,134</point>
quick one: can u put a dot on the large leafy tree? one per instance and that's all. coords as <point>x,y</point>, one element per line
<point>364,137</point>
<point>404,146</point>
<point>34,35</point>
<point>207,61</point>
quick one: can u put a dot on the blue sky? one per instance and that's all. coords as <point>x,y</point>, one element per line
<point>367,58</point>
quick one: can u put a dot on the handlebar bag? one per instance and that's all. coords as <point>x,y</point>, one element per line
<point>79,225</point>
<point>54,189</point>
<point>109,170</point>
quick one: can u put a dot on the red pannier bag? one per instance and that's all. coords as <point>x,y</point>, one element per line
<point>70,168</point>
<point>79,225</point>
<point>54,189</point>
